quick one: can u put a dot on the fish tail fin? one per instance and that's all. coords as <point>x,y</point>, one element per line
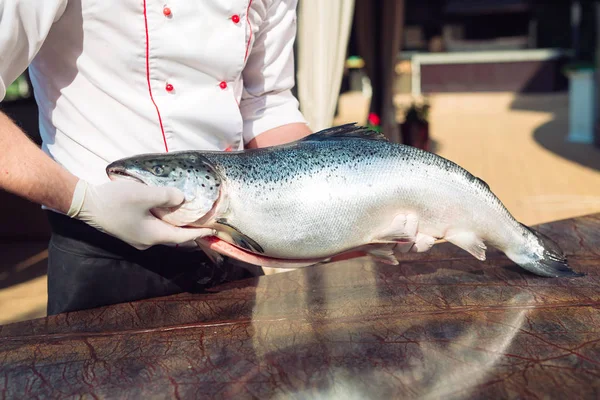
<point>543,257</point>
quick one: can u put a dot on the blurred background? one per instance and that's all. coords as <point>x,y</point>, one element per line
<point>508,89</point>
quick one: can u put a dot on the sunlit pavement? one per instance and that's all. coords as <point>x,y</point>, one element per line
<point>23,290</point>
<point>516,144</point>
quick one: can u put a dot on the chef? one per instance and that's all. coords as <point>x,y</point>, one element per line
<point>115,78</point>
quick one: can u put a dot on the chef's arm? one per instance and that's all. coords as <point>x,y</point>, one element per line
<point>270,111</point>
<point>281,134</point>
<point>27,171</point>
<point>117,208</point>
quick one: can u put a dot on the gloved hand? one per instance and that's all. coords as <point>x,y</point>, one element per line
<point>121,208</point>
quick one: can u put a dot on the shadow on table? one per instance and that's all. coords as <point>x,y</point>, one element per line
<point>22,262</point>
<point>552,135</point>
<point>365,343</point>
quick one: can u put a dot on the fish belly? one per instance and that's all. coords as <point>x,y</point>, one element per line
<point>314,221</point>
<point>339,200</point>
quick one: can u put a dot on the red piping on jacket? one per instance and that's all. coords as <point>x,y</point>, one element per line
<point>162,129</point>
<point>250,26</point>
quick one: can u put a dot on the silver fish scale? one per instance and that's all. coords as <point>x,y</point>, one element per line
<point>316,198</point>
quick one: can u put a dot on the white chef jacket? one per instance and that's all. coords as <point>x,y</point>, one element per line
<point>115,78</point>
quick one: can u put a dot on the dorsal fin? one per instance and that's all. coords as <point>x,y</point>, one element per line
<point>484,183</point>
<point>346,131</point>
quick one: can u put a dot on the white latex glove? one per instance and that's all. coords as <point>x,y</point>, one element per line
<point>122,209</point>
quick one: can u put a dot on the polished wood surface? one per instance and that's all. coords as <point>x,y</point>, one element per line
<point>440,325</point>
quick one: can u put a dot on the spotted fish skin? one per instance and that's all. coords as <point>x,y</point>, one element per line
<point>342,188</point>
<point>329,196</point>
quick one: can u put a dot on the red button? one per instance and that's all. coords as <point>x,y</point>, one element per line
<point>235,19</point>
<point>169,87</point>
<point>223,85</point>
<point>167,11</point>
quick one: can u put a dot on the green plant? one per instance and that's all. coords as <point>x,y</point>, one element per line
<point>417,112</point>
<point>19,89</point>
<point>578,65</point>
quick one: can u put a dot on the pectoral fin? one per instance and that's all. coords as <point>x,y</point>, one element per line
<point>239,239</point>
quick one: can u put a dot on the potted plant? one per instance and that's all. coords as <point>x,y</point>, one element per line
<point>582,101</point>
<point>415,128</point>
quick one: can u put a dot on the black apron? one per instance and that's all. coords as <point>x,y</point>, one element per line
<point>88,268</point>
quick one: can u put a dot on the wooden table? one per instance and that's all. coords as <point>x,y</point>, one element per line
<point>440,325</point>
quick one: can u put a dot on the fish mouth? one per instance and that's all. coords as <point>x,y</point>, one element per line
<point>119,173</point>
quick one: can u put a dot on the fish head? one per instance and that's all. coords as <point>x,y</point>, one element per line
<point>189,172</point>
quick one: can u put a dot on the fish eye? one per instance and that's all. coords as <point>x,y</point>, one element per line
<point>157,170</point>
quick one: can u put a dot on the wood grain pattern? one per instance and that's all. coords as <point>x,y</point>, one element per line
<point>440,325</point>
